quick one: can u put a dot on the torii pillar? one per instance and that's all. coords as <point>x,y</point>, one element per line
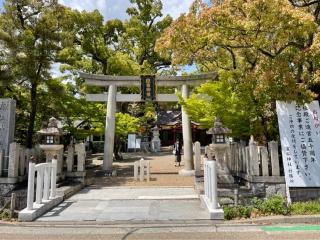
<point>110,128</point>
<point>187,138</point>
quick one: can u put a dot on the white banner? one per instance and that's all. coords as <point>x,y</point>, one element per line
<point>300,143</point>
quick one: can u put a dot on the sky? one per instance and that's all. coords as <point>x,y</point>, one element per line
<point>117,8</point>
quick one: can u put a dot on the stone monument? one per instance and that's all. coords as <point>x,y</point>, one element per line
<point>218,151</point>
<point>7,127</point>
<point>7,123</point>
<point>155,142</point>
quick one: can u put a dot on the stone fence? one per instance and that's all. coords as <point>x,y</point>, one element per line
<point>257,166</point>
<point>15,165</point>
<point>254,160</point>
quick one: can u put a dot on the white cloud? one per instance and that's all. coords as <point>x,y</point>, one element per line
<point>117,8</point>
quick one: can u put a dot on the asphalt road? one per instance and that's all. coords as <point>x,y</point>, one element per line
<point>156,231</point>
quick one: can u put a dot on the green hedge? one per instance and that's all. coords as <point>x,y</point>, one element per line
<point>275,205</point>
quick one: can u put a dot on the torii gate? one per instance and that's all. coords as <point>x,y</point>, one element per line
<point>111,97</point>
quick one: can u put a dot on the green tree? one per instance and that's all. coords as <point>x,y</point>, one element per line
<point>30,38</point>
<point>142,30</point>
<point>262,52</point>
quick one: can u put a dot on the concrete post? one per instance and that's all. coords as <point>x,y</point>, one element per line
<point>46,183</point>
<point>53,178</point>
<point>30,195</point>
<point>187,136</point>
<point>110,128</point>
<point>39,189</point>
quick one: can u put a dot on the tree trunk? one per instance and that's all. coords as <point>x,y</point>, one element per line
<point>33,92</point>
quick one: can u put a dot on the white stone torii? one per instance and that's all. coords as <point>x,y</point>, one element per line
<point>111,97</point>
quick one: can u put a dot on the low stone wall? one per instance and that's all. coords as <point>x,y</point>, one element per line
<point>304,194</point>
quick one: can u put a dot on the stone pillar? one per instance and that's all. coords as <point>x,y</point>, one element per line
<point>7,124</point>
<point>1,161</point>
<point>187,138</point>
<point>254,158</point>
<point>14,160</point>
<point>110,129</point>
<point>274,154</point>
<point>264,161</point>
<point>22,162</point>
<point>81,153</point>
<point>197,158</point>
<point>70,158</point>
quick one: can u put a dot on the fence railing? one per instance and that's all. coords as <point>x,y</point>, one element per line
<point>46,182</point>
<point>210,183</point>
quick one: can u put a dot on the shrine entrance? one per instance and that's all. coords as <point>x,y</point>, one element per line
<point>148,92</point>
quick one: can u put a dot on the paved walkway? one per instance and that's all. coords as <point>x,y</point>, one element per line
<point>129,204</point>
<point>168,196</point>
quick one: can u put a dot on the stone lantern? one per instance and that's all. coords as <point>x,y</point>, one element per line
<point>156,142</point>
<point>50,142</point>
<point>218,132</point>
<point>218,151</point>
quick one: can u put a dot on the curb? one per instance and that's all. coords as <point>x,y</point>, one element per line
<point>307,219</point>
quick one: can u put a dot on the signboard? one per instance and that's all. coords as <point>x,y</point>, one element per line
<point>7,123</point>
<point>148,87</point>
<point>138,143</point>
<point>131,141</point>
<point>300,143</point>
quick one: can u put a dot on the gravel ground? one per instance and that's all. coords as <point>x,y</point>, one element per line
<point>163,171</point>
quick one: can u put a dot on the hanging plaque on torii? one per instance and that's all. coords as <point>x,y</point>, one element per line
<point>148,88</point>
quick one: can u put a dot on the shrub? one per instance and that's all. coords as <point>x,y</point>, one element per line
<point>5,214</point>
<point>237,212</point>
<point>274,205</point>
<point>303,208</point>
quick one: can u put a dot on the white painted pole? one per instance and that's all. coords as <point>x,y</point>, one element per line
<point>39,191</point>
<point>214,185</point>
<point>53,178</point>
<point>187,136</point>
<point>110,128</point>
<point>46,182</point>
<point>30,195</point>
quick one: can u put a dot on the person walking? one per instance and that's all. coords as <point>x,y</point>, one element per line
<point>177,152</point>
